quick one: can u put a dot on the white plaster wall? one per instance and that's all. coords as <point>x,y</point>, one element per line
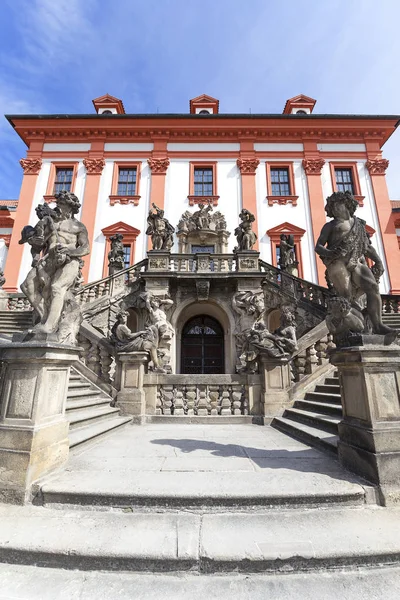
<point>128,147</point>
<point>3,252</point>
<point>276,147</point>
<point>228,189</point>
<point>200,147</point>
<point>341,148</point>
<point>107,215</point>
<point>80,147</point>
<point>271,216</point>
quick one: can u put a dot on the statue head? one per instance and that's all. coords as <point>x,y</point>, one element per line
<point>68,199</point>
<point>288,317</point>
<point>339,306</point>
<point>345,198</point>
<point>122,317</point>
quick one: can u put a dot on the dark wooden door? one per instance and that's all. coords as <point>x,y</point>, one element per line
<point>202,349</point>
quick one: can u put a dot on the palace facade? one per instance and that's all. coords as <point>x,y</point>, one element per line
<point>281,167</point>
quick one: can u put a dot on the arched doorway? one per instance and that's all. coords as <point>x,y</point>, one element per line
<point>202,346</point>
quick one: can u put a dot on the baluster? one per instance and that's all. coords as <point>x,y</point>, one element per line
<point>93,359</point>
<point>225,401</point>
<point>213,395</point>
<point>300,363</point>
<point>312,359</point>
<point>159,400</point>
<point>244,400</point>
<point>168,399</point>
<point>321,348</point>
<point>202,410</point>
<point>105,363</point>
<point>191,399</point>
<point>236,400</point>
<point>178,401</point>
<point>85,345</point>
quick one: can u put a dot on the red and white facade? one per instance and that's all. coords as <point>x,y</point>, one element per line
<point>242,155</point>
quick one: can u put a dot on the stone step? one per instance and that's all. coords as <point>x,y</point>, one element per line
<point>92,391</point>
<point>273,541</point>
<point>327,423</point>
<point>332,381</point>
<point>86,416</point>
<point>324,408</point>
<point>78,404</point>
<point>84,435</point>
<point>307,434</point>
<point>75,384</point>
<point>326,388</point>
<point>322,397</point>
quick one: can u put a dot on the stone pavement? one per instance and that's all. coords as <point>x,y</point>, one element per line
<point>175,465</point>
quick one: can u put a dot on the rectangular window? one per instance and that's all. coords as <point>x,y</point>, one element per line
<point>344,180</point>
<point>280,185</point>
<point>203,181</point>
<point>127,256</point>
<point>63,180</point>
<point>127,181</point>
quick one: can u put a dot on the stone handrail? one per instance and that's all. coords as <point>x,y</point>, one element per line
<point>110,285</point>
<point>312,352</point>
<point>97,354</point>
<point>194,263</point>
<point>297,288</point>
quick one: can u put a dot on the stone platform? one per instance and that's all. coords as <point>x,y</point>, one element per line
<point>224,509</point>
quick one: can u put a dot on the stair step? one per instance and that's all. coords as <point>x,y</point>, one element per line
<point>322,397</point>
<point>327,423</point>
<point>81,435</point>
<point>299,542</point>
<point>325,388</point>
<point>78,404</point>
<point>83,393</point>
<point>332,381</point>
<point>324,408</point>
<point>85,416</point>
<point>307,434</point>
<point>78,384</point>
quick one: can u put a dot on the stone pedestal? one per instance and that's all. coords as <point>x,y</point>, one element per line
<point>158,260</point>
<point>247,260</point>
<point>275,384</point>
<point>3,300</point>
<point>33,427</point>
<point>131,397</point>
<point>370,431</point>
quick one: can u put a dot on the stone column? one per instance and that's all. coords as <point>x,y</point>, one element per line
<point>131,398</point>
<point>33,426</point>
<point>369,434</point>
<point>275,384</point>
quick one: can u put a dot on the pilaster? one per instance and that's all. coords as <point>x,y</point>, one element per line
<point>248,163</point>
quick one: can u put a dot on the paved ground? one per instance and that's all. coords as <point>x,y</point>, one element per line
<point>223,461</point>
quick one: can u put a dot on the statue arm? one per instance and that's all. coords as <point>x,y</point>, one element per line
<point>82,241</point>
<point>322,240</point>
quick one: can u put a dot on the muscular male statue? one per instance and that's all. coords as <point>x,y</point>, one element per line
<point>48,286</point>
<point>343,246</point>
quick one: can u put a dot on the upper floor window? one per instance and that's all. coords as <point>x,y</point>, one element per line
<point>280,183</point>
<point>63,179</point>
<point>127,255</point>
<point>344,180</point>
<point>127,181</point>
<point>203,181</point>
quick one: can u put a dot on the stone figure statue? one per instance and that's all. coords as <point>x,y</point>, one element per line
<point>62,241</point>
<point>202,217</point>
<point>343,246</point>
<point>343,321</point>
<point>278,345</point>
<point>2,278</point>
<point>116,255</point>
<point>287,257</point>
<point>156,316</point>
<point>141,341</point>
<point>246,238</point>
<point>160,230</point>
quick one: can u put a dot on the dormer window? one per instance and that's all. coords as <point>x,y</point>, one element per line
<point>299,105</point>
<point>204,105</point>
<point>108,105</point>
<point>204,112</point>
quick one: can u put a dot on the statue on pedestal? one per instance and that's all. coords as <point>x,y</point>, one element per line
<point>116,255</point>
<point>246,238</point>
<point>2,278</point>
<point>344,246</point>
<point>160,230</point>
<point>141,341</point>
<point>202,218</point>
<point>58,243</point>
<point>287,257</point>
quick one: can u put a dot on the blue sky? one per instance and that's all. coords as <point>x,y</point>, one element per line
<point>57,55</point>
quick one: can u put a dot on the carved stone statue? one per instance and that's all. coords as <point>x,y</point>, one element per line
<point>2,278</point>
<point>141,341</point>
<point>116,255</point>
<point>201,217</point>
<point>160,230</point>
<point>343,246</point>
<point>287,257</point>
<point>343,321</point>
<point>202,220</point>
<point>246,238</point>
<point>49,285</point>
<point>157,317</point>
<point>278,345</point>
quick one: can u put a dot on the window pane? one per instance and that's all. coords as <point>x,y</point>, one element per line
<point>344,180</point>
<point>63,180</point>
<point>126,181</point>
<point>280,182</point>
<point>127,256</point>
<point>203,181</point>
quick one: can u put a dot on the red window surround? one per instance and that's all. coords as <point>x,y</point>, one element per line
<point>130,234</point>
<point>213,199</point>
<point>289,199</point>
<point>275,236</point>
<point>354,176</point>
<point>116,198</point>
<point>49,196</point>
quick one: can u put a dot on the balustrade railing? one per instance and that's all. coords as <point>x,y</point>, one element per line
<point>390,304</point>
<point>193,399</point>
<point>313,351</point>
<point>195,263</point>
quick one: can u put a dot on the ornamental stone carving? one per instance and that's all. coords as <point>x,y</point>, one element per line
<point>158,165</point>
<point>160,229</point>
<point>94,166</point>
<point>31,166</point>
<point>247,165</point>
<point>116,256</point>
<point>246,238</point>
<point>313,166</point>
<point>202,289</point>
<point>377,166</point>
